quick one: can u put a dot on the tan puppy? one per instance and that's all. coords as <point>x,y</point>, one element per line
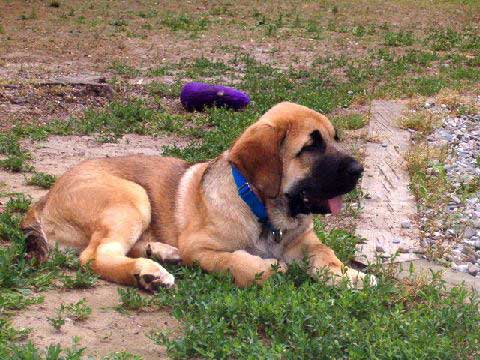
<point>120,212</point>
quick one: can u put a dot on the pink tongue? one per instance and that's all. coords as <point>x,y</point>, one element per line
<point>335,205</point>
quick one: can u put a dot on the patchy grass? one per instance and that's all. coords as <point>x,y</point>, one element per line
<point>428,189</point>
<point>42,180</point>
<point>350,121</point>
<point>78,311</point>
<point>293,316</point>
<point>401,38</point>
<point>130,299</point>
<point>184,22</point>
<point>424,122</point>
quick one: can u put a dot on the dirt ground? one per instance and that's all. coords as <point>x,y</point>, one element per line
<point>106,330</point>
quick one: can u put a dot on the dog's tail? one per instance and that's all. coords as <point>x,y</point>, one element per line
<point>36,241</point>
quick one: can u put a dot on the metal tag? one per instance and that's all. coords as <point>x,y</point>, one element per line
<point>277,235</point>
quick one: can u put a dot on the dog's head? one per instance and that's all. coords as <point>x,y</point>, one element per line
<point>290,152</point>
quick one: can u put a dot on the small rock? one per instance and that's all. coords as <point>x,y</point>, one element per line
<point>461,267</point>
<point>403,250</point>
<point>469,232</point>
<point>473,269</point>
<point>380,249</point>
<point>407,224</point>
<point>419,251</point>
<point>456,199</point>
<point>476,224</point>
<point>384,145</point>
<point>396,241</point>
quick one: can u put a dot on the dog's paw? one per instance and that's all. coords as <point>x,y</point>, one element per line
<point>357,278</point>
<point>152,277</point>
<point>163,253</point>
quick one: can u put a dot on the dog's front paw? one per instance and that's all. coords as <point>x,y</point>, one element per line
<point>163,253</point>
<point>152,277</point>
<point>356,278</point>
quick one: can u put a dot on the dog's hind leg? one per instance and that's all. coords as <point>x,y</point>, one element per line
<point>119,229</point>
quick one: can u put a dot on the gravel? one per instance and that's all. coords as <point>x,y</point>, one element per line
<point>461,136</point>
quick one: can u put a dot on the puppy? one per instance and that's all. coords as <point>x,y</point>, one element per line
<point>244,211</point>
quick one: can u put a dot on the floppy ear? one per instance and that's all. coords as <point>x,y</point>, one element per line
<point>257,155</point>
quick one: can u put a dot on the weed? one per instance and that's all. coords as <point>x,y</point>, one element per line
<point>401,38</point>
<point>16,300</point>
<point>123,69</point>
<point>148,14</point>
<point>184,22</point>
<point>57,321</point>
<point>443,39</point>
<point>160,71</point>
<point>425,86</point>
<point>293,316</point>
<point>359,31</point>
<point>131,299</point>
<point>84,278</point>
<point>18,204</point>
<point>428,189</point>
<point>424,122</point>
<point>32,16</point>
<point>119,22</point>
<point>123,355</point>
<point>42,180</point>
<point>350,121</point>
<point>15,163</point>
<point>419,57</point>
<point>2,29</point>
<point>78,311</point>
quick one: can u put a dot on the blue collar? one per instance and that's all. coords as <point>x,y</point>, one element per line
<point>253,202</point>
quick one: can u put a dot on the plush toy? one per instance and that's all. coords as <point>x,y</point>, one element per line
<point>197,96</point>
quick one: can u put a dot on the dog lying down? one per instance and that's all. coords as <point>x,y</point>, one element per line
<point>244,211</point>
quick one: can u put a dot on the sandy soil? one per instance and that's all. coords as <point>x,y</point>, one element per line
<point>105,330</point>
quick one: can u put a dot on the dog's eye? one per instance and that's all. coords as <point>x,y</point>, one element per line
<point>317,144</point>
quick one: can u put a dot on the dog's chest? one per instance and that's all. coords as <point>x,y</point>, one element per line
<point>268,245</point>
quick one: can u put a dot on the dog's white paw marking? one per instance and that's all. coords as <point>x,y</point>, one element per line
<point>357,278</point>
<point>153,277</point>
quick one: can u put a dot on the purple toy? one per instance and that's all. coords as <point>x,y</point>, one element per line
<point>197,96</point>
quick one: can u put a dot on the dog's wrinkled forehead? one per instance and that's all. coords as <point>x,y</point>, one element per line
<point>299,121</point>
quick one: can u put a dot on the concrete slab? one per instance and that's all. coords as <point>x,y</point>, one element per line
<point>388,201</point>
<point>424,269</point>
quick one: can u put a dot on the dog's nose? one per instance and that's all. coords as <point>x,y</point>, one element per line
<point>355,169</point>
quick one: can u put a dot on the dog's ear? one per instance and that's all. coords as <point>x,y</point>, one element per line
<point>257,155</point>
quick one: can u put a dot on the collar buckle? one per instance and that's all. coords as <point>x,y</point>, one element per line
<point>244,189</point>
<point>277,235</point>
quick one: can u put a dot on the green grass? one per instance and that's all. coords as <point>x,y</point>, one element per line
<point>350,121</point>
<point>184,22</point>
<point>123,69</point>
<point>42,180</point>
<point>130,299</point>
<point>292,316</point>
<point>401,38</point>
<point>422,121</point>
<point>78,311</point>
